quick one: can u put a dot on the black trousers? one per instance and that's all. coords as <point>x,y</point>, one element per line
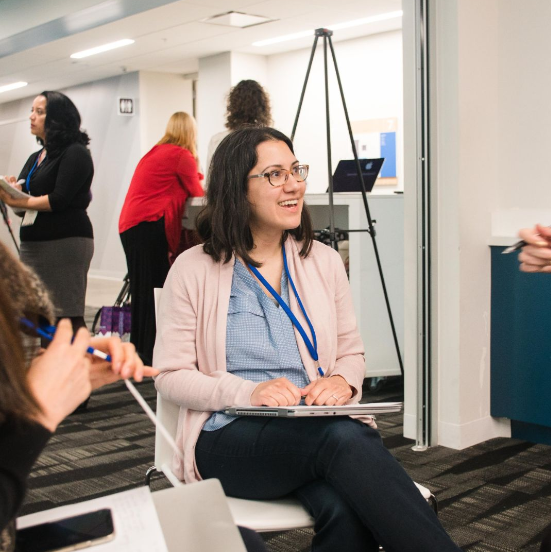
<point>253,541</point>
<point>146,251</point>
<point>338,468</point>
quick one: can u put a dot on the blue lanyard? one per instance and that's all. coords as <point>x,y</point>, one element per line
<point>312,347</point>
<point>28,179</point>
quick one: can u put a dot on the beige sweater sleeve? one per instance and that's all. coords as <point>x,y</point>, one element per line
<point>189,375</point>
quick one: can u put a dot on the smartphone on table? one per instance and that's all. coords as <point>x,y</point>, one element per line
<point>64,535</point>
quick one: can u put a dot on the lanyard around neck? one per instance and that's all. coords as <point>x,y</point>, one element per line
<point>28,179</point>
<point>311,345</point>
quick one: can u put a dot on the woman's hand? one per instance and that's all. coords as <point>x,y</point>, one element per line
<point>536,256</point>
<point>59,378</point>
<point>276,392</point>
<point>332,391</point>
<point>19,203</point>
<point>125,362</point>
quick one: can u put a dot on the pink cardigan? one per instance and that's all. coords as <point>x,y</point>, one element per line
<point>190,350</point>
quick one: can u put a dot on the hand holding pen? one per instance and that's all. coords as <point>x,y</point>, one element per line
<point>59,379</point>
<point>536,249</point>
<point>111,359</point>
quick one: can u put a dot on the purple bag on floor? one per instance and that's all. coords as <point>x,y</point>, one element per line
<point>115,321</point>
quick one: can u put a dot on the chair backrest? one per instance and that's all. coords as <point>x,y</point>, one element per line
<point>167,414</point>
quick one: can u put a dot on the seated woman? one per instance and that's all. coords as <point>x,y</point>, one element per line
<point>35,397</point>
<point>224,341</point>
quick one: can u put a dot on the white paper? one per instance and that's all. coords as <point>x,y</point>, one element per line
<point>137,527</point>
<point>13,192</point>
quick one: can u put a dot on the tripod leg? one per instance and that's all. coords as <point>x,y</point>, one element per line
<point>304,87</point>
<point>366,206</point>
<point>328,136</point>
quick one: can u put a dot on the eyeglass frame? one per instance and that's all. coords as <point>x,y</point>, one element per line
<point>287,173</point>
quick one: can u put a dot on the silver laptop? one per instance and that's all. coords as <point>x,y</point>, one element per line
<point>368,409</point>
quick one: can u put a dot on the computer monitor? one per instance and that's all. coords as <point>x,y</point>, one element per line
<point>346,177</point>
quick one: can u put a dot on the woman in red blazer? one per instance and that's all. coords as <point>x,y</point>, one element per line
<point>151,220</point>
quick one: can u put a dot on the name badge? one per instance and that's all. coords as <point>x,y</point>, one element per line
<point>29,218</point>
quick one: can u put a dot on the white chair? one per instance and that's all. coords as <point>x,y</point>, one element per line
<point>261,515</point>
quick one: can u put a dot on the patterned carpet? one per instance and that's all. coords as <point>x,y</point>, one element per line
<point>493,497</point>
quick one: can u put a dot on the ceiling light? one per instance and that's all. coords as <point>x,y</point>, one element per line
<point>13,86</point>
<point>338,26</point>
<point>236,19</point>
<point>104,48</point>
<point>367,20</point>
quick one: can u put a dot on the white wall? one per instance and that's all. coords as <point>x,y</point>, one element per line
<point>466,179</point>
<point>161,95</point>
<point>524,95</point>
<point>371,74</point>
<point>212,87</point>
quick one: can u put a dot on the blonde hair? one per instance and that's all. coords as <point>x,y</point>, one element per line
<point>181,130</point>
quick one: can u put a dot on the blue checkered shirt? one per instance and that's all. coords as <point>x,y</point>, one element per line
<point>260,340</point>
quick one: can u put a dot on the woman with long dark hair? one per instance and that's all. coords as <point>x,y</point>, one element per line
<point>261,314</point>
<point>56,233</point>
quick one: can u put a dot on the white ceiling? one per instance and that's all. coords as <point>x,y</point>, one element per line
<point>169,37</point>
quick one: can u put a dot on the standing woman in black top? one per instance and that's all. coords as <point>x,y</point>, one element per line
<point>57,240</point>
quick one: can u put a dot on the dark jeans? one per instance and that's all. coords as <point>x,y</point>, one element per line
<point>146,251</point>
<point>338,468</point>
<point>252,540</point>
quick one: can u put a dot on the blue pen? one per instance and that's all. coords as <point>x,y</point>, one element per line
<point>49,336</point>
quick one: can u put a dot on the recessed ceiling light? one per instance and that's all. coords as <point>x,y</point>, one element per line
<point>236,19</point>
<point>104,48</point>
<point>12,86</point>
<point>338,26</point>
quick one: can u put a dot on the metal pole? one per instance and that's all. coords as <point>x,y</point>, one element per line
<point>304,87</point>
<point>424,303</point>
<point>332,238</point>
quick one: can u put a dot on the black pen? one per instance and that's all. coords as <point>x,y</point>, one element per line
<point>515,247</point>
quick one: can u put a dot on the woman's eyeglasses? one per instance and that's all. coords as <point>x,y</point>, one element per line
<point>278,177</point>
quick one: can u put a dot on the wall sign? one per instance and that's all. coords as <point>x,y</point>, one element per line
<point>126,106</point>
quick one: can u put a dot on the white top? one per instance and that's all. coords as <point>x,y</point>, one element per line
<point>213,144</point>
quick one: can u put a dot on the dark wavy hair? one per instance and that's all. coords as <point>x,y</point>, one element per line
<point>16,399</point>
<point>62,124</point>
<point>248,104</point>
<point>224,223</point>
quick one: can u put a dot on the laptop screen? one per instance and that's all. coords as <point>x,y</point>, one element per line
<point>346,177</point>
